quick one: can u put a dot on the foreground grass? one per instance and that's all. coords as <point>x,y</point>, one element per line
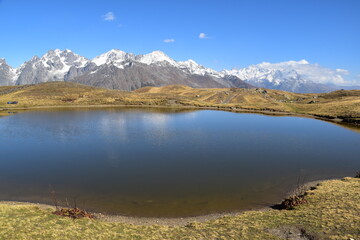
<point>342,105</point>
<point>332,212</point>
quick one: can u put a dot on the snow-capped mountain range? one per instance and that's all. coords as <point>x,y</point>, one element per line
<point>51,67</point>
<point>126,71</point>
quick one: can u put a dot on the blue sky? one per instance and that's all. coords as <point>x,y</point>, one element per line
<point>237,33</point>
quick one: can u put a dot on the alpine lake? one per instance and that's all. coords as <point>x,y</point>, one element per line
<point>167,163</point>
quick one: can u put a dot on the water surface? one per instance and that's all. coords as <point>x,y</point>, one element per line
<point>167,164</point>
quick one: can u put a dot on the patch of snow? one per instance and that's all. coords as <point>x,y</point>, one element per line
<point>15,74</point>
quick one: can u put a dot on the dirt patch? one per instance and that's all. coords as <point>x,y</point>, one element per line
<point>294,233</point>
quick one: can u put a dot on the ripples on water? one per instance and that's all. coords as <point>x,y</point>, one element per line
<point>165,163</point>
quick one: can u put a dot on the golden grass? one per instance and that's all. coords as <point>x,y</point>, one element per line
<point>332,212</point>
<point>343,105</point>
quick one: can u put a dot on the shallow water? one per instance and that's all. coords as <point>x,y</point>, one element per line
<point>159,163</point>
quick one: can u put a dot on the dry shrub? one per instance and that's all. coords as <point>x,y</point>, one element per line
<point>291,202</point>
<point>74,213</point>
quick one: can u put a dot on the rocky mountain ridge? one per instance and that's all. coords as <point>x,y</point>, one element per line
<point>117,69</point>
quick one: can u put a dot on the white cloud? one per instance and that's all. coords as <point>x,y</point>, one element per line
<point>203,36</point>
<point>110,16</point>
<point>342,71</point>
<point>171,40</point>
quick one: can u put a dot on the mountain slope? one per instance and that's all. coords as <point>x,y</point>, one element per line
<point>133,75</point>
<point>7,74</point>
<point>51,67</point>
<point>117,69</point>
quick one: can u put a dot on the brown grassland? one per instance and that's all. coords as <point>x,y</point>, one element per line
<point>332,209</point>
<point>339,106</point>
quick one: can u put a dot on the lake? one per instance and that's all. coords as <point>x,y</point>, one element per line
<point>167,163</point>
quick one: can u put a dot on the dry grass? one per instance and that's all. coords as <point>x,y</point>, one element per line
<point>342,105</point>
<point>332,212</point>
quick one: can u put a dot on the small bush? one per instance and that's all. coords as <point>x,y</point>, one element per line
<point>357,175</point>
<point>291,202</point>
<point>74,213</point>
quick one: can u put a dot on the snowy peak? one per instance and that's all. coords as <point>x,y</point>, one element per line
<point>4,65</point>
<point>118,58</point>
<point>269,75</point>
<point>60,65</point>
<point>289,71</point>
<point>114,56</point>
<point>296,76</point>
<point>52,66</point>
<point>190,64</point>
<point>57,59</point>
<point>195,68</point>
<point>7,73</point>
<point>155,57</point>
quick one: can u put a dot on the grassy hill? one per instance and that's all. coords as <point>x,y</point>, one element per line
<point>342,105</point>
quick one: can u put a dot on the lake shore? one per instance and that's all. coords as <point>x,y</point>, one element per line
<point>331,212</point>
<point>178,221</point>
<point>341,106</point>
<point>338,121</point>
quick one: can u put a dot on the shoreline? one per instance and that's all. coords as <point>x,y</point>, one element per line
<point>178,221</point>
<point>331,212</point>
<point>174,221</point>
<point>268,112</point>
